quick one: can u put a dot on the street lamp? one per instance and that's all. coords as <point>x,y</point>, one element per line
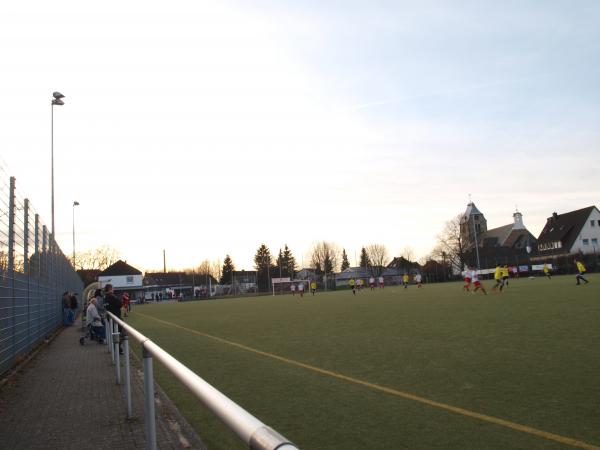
<point>74,205</point>
<point>56,100</point>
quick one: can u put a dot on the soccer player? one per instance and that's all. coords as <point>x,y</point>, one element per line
<point>301,289</point>
<point>505,274</point>
<point>476,282</point>
<point>381,282</point>
<point>352,284</point>
<point>467,278</point>
<point>546,271</point>
<point>313,287</point>
<point>581,275</point>
<point>418,279</point>
<point>498,277</point>
<point>293,289</point>
<point>372,283</point>
<point>405,279</point>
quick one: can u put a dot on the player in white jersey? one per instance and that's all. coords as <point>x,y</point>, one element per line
<point>476,282</point>
<point>372,283</point>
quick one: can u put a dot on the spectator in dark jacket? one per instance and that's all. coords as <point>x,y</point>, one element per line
<point>113,305</point>
<point>66,305</point>
<point>74,306</point>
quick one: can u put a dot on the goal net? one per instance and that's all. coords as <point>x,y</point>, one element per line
<point>282,286</point>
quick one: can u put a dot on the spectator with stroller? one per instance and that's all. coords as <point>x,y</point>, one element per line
<point>94,321</point>
<point>100,303</point>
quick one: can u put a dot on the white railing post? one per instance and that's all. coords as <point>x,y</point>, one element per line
<point>117,352</point>
<point>149,400</point>
<point>110,335</point>
<point>127,375</point>
<point>107,334</point>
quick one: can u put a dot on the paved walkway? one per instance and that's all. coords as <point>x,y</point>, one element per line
<point>67,398</point>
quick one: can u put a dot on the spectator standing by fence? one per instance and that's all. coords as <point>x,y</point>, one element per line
<point>74,304</point>
<point>66,304</point>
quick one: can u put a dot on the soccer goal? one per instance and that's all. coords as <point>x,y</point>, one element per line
<point>288,286</point>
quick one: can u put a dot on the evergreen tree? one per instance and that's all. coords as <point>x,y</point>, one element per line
<point>345,262</point>
<point>263,261</point>
<point>227,271</point>
<point>364,258</point>
<point>328,264</point>
<point>289,262</point>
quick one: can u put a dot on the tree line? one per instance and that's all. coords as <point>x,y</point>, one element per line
<point>324,258</point>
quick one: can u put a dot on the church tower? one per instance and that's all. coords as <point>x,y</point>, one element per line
<point>518,225</point>
<point>472,224</point>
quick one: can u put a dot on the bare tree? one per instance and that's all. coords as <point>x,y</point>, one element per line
<point>408,253</point>
<point>325,257</point>
<point>98,259</point>
<point>450,247</point>
<point>216,267</point>
<point>378,258</point>
<point>205,268</point>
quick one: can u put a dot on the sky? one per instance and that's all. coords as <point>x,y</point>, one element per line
<point>206,128</point>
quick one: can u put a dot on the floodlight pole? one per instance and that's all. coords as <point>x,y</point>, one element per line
<point>74,205</point>
<point>57,100</point>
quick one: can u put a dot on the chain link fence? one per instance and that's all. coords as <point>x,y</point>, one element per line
<point>34,273</point>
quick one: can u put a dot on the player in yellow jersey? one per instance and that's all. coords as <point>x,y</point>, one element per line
<point>313,287</point>
<point>405,279</point>
<point>498,278</point>
<point>581,275</point>
<point>546,271</point>
<point>352,285</point>
<point>505,275</point>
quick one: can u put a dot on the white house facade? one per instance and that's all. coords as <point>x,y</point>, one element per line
<point>589,236</point>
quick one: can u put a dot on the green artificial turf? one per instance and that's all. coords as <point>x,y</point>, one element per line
<point>529,355</point>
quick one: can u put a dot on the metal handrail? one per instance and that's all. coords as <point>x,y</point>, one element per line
<point>248,428</point>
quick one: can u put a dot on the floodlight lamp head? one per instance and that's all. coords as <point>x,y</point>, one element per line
<point>58,101</point>
<point>57,95</point>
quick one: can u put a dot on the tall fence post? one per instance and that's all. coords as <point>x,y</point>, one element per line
<point>26,265</point>
<point>149,400</point>
<point>44,259</point>
<point>11,257</point>
<point>38,274</point>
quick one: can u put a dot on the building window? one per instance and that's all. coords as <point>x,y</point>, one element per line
<point>586,242</point>
<point>592,223</point>
<point>594,241</point>
<point>129,279</point>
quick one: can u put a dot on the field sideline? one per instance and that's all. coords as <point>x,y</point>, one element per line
<point>392,369</point>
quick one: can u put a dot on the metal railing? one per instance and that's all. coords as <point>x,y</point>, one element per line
<point>248,428</point>
<point>33,274</point>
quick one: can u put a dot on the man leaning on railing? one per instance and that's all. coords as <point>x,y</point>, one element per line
<point>113,305</point>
